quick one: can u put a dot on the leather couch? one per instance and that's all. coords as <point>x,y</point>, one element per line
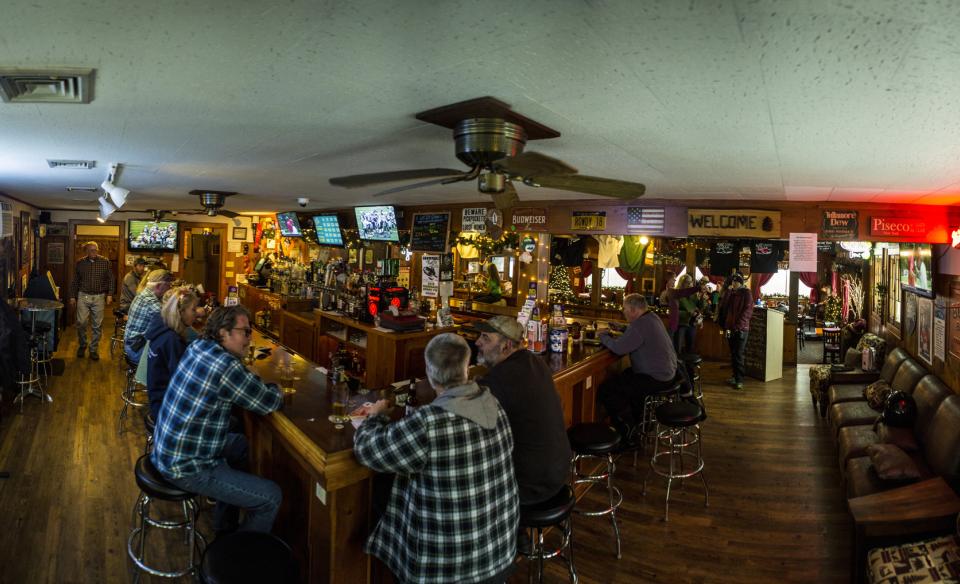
<point>858,413</point>
<point>930,392</point>
<point>853,391</point>
<point>939,454</point>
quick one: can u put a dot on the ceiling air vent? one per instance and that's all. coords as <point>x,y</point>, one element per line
<point>72,164</point>
<point>68,85</point>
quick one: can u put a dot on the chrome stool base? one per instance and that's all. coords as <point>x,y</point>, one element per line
<point>129,397</point>
<point>674,440</point>
<point>138,536</point>
<point>615,497</point>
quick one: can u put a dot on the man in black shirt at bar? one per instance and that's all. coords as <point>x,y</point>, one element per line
<point>523,384</point>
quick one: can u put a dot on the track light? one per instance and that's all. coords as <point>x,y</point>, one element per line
<point>117,194</point>
<point>106,208</point>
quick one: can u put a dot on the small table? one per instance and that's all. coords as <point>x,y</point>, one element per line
<point>923,506</point>
<point>33,306</point>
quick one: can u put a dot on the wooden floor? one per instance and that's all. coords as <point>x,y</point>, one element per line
<point>776,513</point>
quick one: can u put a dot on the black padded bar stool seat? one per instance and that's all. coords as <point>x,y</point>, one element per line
<point>247,556</point>
<point>675,388</point>
<point>680,414</point>
<point>593,439</point>
<point>691,358</point>
<point>550,512</point>
<point>154,485</point>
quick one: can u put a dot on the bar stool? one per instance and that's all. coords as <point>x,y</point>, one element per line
<point>154,487</point>
<point>130,393</point>
<point>41,357</point>
<point>150,425</point>
<point>247,556</point>
<point>693,362</point>
<point>652,400</point>
<point>538,517</point>
<point>597,441</point>
<point>119,328</point>
<point>29,383</point>
<point>678,427</point>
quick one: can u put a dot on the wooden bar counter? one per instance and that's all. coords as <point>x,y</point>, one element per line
<point>325,515</point>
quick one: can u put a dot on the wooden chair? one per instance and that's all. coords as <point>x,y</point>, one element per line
<point>831,346</point>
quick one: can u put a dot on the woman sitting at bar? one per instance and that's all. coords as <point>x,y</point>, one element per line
<point>167,338</point>
<point>453,510</point>
<point>494,286</point>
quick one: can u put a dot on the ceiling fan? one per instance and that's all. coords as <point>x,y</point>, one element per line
<point>493,149</point>
<point>211,201</point>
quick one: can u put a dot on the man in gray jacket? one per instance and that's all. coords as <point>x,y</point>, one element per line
<point>653,364</point>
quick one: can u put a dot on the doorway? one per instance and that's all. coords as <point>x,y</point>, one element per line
<point>202,257</point>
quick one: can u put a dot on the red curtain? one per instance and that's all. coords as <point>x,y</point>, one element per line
<point>757,280</point>
<point>811,280</point>
<point>586,270</point>
<point>630,278</point>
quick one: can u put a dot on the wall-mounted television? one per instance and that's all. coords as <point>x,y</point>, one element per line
<point>152,235</point>
<point>377,223</point>
<point>328,230</point>
<point>289,224</point>
<point>916,268</point>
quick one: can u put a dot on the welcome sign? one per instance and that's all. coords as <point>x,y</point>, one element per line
<point>733,223</point>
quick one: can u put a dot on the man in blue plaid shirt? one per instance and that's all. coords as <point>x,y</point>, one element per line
<point>453,511</point>
<point>145,305</point>
<point>193,447</point>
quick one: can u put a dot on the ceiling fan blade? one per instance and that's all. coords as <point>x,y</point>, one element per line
<point>594,185</point>
<point>533,164</point>
<point>428,183</point>
<point>228,214</point>
<point>362,180</point>
<point>506,199</point>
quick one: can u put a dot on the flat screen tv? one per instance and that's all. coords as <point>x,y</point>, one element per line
<point>916,268</point>
<point>377,223</point>
<point>328,230</point>
<point>152,235</point>
<point>289,224</point>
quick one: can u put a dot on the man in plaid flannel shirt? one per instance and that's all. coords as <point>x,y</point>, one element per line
<point>145,305</point>
<point>193,447</point>
<point>453,511</point>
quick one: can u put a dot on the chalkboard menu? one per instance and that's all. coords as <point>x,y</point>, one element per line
<point>754,357</point>
<point>430,232</point>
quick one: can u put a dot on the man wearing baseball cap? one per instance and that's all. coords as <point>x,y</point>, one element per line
<point>130,283</point>
<point>523,384</point>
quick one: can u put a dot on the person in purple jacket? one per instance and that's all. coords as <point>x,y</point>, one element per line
<point>653,364</point>
<point>737,309</point>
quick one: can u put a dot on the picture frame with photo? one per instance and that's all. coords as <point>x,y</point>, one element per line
<point>925,329</point>
<point>239,233</point>
<point>25,238</point>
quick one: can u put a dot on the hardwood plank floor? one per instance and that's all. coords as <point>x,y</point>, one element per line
<point>776,510</point>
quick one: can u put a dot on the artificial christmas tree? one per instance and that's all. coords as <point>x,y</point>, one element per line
<point>558,287</point>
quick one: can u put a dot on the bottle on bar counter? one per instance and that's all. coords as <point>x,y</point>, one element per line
<point>536,332</point>
<point>412,402</point>
<point>558,330</point>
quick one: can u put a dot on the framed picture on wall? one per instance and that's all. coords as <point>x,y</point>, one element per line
<point>925,329</point>
<point>25,238</point>
<point>240,233</point>
<point>57,229</point>
<point>55,253</point>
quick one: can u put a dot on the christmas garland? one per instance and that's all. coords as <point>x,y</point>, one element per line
<point>486,245</point>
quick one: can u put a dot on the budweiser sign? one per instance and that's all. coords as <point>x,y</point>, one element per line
<point>897,226</point>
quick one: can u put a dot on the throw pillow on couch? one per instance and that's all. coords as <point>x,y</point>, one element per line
<point>876,394</point>
<point>892,463</point>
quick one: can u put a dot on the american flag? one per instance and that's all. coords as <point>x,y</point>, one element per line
<point>646,219</point>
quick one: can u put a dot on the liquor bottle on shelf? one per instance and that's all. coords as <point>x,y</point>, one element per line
<point>536,332</point>
<point>558,330</point>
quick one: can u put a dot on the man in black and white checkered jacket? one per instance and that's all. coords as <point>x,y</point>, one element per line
<point>453,511</point>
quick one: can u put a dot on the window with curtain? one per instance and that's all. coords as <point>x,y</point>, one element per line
<point>609,279</point>
<point>780,284</point>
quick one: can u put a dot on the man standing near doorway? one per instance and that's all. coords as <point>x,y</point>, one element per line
<point>91,289</point>
<point>737,309</point>
<point>130,283</point>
